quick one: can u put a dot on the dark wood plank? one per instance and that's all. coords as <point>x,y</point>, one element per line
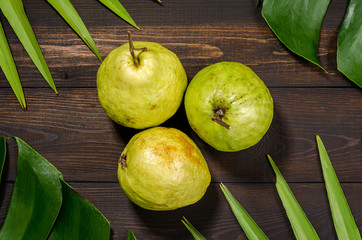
<point>199,32</point>
<point>72,131</point>
<point>211,215</point>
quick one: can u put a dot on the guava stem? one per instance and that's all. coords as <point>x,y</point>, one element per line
<point>123,160</point>
<point>132,49</point>
<point>219,113</point>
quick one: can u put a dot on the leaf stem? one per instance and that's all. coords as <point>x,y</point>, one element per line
<point>132,49</point>
<point>217,117</point>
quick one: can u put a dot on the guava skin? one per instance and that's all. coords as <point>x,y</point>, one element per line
<point>141,96</point>
<point>247,101</point>
<point>162,169</point>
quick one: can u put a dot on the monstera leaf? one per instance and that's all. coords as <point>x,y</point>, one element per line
<point>298,24</point>
<point>43,206</point>
<point>349,45</point>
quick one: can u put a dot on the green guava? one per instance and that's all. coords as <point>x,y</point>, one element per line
<point>229,106</point>
<point>162,169</point>
<point>141,84</point>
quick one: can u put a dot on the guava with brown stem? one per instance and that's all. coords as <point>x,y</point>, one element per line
<point>141,84</point>
<point>163,169</point>
<point>229,106</point>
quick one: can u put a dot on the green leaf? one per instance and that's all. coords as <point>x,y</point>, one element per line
<point>250,228</point>
<point>342,217</point>
<point>36,198</point>
<point>349,44</point>
<point>297,24</point>
<point>118,9</point>
<point>15,14</point>
<point>79,219</point>
<point>7,64</point>
<point>131,236</point>
<point>196,234</point>
<point>2,154</point>
<point>302,228</point>
<point>70,15</point>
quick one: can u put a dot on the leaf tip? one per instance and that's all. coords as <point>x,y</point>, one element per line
<point>318,139</point>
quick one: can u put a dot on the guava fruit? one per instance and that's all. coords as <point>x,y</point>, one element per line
<point>141,84</point>
<point>162,169</point>
<point>228,106</point>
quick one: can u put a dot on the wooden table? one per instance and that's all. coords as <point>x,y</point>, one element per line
<point>72,131</point>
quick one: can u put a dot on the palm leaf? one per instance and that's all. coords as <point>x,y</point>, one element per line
<point>131,236</point>
<point>342,217</point>
<point>302,228</point>
<point>7,64</point>
<point>118,9</point>
<point>15,14</point>
<point>2,154</point>
<point>70,15</point>
<point>36,198</point>
<point>250,228</point>
<point>196,234</point>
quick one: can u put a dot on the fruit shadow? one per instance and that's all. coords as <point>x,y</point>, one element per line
<point>178,120</point>
<point>249,165</point>
<point>168,225</point>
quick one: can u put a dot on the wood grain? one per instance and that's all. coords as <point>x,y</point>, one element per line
<point>212,215</point>
<point>231,31</point>
<point>73,132</point>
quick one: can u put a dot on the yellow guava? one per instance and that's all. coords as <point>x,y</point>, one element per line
<point>162,169</point>
<point>141,84</point>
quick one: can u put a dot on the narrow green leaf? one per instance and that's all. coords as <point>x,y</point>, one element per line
<point>79,219</point>
<point>118,9</point>
<point>7,64</point>
<point>70,15</point>
<point>196,234</point>
<point>250,228</point>
<point>131,236</point>
<point>302,228</point>
<point>349,44</point>
<point>297,24</point>
<point>2,154</point>
<point>342,217</point>
<point>36,198</point>
<point>15,14</point>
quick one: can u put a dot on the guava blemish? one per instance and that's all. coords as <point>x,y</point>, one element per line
<point>153,106</point>
<point>123,160</point>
